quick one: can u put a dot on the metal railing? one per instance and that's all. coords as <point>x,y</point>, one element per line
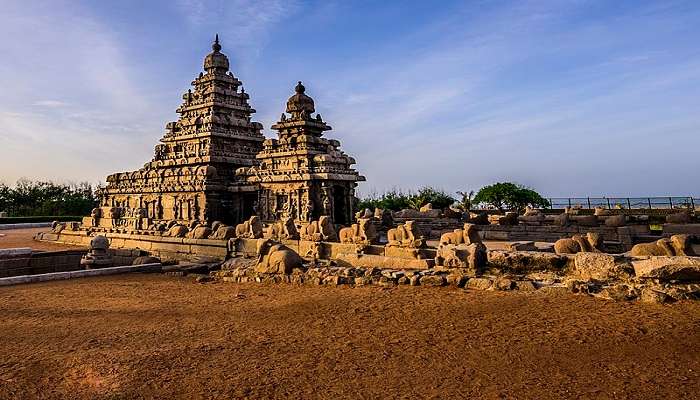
<point>629,203</point>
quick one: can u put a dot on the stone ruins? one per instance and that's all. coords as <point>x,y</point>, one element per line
<point>245,208</point>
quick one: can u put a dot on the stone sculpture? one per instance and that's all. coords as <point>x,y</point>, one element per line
<point>467,235</point>
<point>384,217</point>
<point>199,232</point>
<point>405,235</point>
<point>276,258</point>
<point>177,230</point>
<point>283,230</point>
<point>592,242</point>
<point>319,231</point>
<point>98,255</point>
<point>250,229</point>
<point>363,232</point>
<point>676,245</point>
<point>222,232</point>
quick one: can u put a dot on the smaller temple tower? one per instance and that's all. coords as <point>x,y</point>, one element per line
<point>302,175</point>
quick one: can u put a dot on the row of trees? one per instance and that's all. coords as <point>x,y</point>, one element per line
<point>37,198</point>
<point>501,196</point>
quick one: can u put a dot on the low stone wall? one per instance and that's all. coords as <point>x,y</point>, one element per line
<point>33,263</point>
<point>163,247</point>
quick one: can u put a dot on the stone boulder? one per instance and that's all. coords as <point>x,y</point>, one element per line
<point>276,258</point>
<point>677,268</point>
<point>601,267</point>
<point>526,261</point>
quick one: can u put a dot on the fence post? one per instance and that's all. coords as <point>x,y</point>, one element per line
<point>670,202</point>
<point>551,204</point>
<point>589,202</point>
<point>608,199</point>
<point>692,202</point>
<point>629,205</point>
<point>649,201</point>
<point>569,200</point>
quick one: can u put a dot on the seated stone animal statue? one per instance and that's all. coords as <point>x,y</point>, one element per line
<point>384,217</point>
<point>283,230</point>
<point>531,212</point>
<point>602,212</point>
<point>363,232</point>
<point>276,258</point>
<point>532,216</point>
<point>676,245</point>
<point>177,230</point>
<point>467,235</point>
<point>426,208</point>
<point>250,229</point>
<point>199,232</point>
<point>319,231</point>
<point>366,213</point>
<point>405,235</point>
<point>591,243</point>
<point>221,231</point>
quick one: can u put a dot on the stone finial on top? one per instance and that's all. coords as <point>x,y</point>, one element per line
<point>216,61</point>
<point>300,105</point>
<point>216,46</point>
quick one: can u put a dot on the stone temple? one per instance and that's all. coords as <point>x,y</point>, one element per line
<point>192,176</point>
<point>214,164</point>
<point>302,175</point>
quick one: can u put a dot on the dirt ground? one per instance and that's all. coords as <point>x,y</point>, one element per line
<point>11,238</point>
<point>154,336</point>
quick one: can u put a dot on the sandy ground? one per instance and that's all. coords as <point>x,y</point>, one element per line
<point>12,238</point>
<point>153,336</point>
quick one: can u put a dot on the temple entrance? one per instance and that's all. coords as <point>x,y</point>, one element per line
<point>340,209</point>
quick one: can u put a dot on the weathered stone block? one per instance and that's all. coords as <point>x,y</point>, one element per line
<point>681,268</point>
<point>601,267</point>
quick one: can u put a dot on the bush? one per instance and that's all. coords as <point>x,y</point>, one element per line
<point>511,196</point>
<point>396,200</point>
<point>29,198</point>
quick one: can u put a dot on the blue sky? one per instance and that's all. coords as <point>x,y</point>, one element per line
<point>572,98</point>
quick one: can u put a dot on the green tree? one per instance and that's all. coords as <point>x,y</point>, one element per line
<point>510,196</point>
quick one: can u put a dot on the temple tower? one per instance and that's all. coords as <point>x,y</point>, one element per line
<point>189,176</point>
<point>301,174</point>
